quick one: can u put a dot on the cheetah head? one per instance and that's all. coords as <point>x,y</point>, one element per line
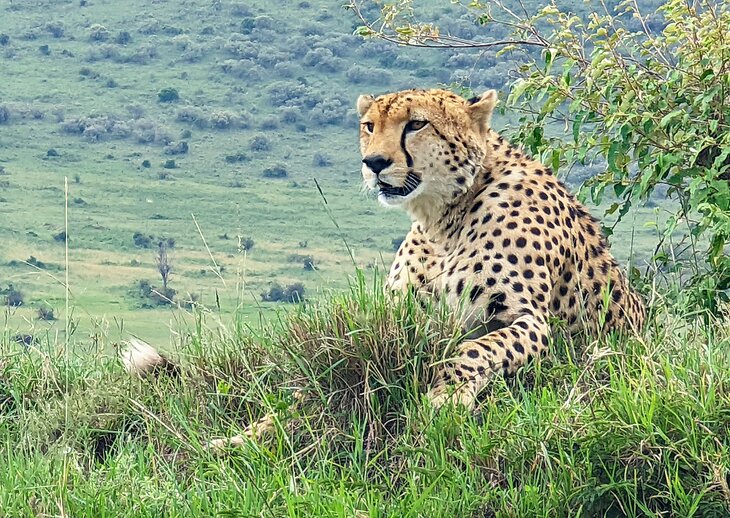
<point>422,148</point>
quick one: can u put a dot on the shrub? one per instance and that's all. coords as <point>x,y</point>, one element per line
<point>260,143</point>
<point>55,29</point>
<point>284,69</point>
<point>242,69</point>
<point>292,293</point>
<point>240,47</point>
<point>43,49</point>
<point>308,263</point>
<point>46,313</point>
<point>169,164</point>
<point>358,74</point>
<point>155,296</point>
<point>149,26</point>
<point>323,60</point>
<point>52,152</point>
<point>179,148</point>
<point>34,261</point>
<point>190,301</point>
<point>330,111</point>
<point>143,241</point>
<point>98,32</point>
<point>146,164</point>
<point>122,38</point>
<point>26,340</point>
<point>4,114</point>
<point>285,93</point>
<point>14,297</point>
<point>182,42</point>
<point>269,123</point>
<point>168,95</point>
<point>222,119</point>
<point>277,171</point>
<point>4,40</point>
<point>192,115</point>
<point>61,237</point>
<point>238,157</point>
<point>321,159</point>
<point>289,115</point>
<point>241,9</point>
<point>247,243</point>
<point>141,56</point>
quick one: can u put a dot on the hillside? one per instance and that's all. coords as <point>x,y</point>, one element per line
<point>164,114</point>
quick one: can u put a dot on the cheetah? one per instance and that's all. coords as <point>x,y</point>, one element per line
<point>493,231</point>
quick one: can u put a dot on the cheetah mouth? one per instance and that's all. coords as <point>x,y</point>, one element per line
<point>411,184</point>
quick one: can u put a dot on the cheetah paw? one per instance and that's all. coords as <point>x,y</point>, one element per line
<point>257,431</point>
<point>445,395</point>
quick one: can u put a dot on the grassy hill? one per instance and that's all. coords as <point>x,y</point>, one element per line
<point>227,128</point>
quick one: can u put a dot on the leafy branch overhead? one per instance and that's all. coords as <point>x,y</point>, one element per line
<point>646,96</point>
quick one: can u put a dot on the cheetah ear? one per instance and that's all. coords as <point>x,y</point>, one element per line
<point>480,109</point>
<point>364,102</point>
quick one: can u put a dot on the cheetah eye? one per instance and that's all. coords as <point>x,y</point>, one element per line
<point>416,125</point>
<point>369,126</point>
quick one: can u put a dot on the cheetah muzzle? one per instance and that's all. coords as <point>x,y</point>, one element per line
<point>389,191</point>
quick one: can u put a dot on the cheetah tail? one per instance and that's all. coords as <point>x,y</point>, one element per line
<point>142,359</point>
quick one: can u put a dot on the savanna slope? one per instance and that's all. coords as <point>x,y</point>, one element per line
<point>225,111</point>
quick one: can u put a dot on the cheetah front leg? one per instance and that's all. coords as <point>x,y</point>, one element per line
<point>415,264</point>
<point>503,351</point>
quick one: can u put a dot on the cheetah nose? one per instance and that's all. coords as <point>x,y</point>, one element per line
<point>377,163</point>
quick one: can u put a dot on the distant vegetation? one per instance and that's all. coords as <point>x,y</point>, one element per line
<point>222,109</point>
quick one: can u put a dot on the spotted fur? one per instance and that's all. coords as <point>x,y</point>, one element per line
<point>492,229</point>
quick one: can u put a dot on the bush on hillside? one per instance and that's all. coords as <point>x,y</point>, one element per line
<point>321,159</point>
<point>246,243</point>
<point>98,32</point>
<point>13,297</point>
<point>154,295</point>
<point>260,143</point>
<point>168,95</point>
<point>222,119</point>
<point>292,293</point>
<point>276,171</point>
<point>46,313</point>
<point>4,114</point>
<point>123,38</point>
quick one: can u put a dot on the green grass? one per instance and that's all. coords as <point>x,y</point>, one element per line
<point>635,427</point>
